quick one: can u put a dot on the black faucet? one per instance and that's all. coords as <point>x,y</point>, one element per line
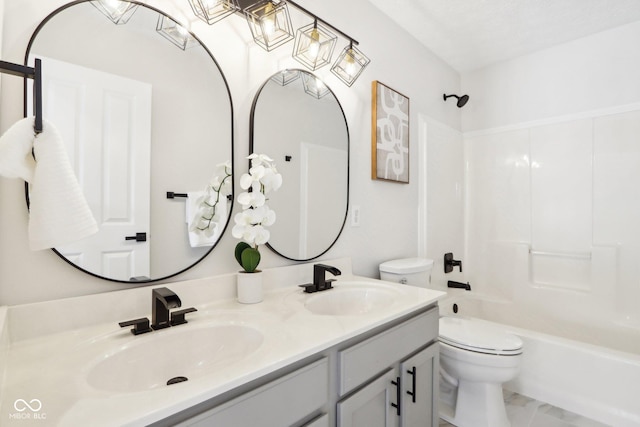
<point>163,299</point>
<point>140,326</point>
<point>458,285</point>
<point>449,263</point>
<point>320,283</point>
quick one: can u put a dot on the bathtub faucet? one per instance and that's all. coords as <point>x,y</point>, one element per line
<point>458,285</point>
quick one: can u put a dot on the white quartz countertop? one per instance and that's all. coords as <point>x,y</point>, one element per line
<point>49,378</point>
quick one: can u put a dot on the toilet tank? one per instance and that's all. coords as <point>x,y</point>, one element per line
<point>410,271</point>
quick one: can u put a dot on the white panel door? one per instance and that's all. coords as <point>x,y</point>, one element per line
<point>317,193</point>
<point>105,121</point>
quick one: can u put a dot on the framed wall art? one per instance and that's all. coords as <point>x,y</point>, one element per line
<point>389,134</point>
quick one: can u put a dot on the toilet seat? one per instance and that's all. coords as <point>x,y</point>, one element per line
<point>467,334</point>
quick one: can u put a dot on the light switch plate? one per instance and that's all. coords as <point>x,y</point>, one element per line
<point>355,216</point>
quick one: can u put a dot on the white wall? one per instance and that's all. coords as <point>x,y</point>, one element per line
<point>1,31</point>
<point>596,72</point>
<point>444,202</point>
<point>552,151</point>
<point>389,212</point>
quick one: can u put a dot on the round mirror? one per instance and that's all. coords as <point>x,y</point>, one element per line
<point>298,121</point>
<point>143,113</point>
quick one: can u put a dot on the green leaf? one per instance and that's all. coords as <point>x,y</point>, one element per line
<point>250,259</point>
<point>240,247</point>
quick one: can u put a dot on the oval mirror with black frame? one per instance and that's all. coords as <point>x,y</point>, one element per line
<point>140,118</point>
<point>299,122</point>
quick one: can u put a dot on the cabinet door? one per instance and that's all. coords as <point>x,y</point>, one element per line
<point>420,388</point>
<point>372,406</point>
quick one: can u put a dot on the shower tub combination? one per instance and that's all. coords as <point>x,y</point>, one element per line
<point>601,383</point>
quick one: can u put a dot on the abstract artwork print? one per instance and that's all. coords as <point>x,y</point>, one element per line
<point>390,134</point>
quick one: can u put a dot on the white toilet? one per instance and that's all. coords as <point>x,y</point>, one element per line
<point>475,357</point>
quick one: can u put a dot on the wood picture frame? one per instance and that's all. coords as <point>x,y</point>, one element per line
<point>389,134</point>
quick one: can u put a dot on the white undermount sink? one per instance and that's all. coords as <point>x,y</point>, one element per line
<point>182,352</point>
<point>348,299</point>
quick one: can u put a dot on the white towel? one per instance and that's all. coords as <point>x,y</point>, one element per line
<point>58,211</point>
<point>16,160</point>
<point>193,215</point>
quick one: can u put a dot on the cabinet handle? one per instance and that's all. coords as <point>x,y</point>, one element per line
<point>412,393</point>
<point>398,395</point>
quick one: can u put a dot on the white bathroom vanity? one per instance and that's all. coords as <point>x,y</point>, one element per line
<point>362,354</point>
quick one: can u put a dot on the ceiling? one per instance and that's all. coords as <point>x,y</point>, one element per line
<point>470,34</point>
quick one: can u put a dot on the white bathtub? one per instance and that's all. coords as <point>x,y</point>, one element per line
<point>560,365</point>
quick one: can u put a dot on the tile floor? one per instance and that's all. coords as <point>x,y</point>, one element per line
<point>525,412</point>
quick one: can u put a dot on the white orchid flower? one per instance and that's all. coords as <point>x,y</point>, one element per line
<point>260,159</point>
<point>251,200</point>
<point>246,180</point>
<point>242,222</point>
<point>251,222</point>
<point>271,181</point>
<point>262,215</point>
<point>268,217</point>
<point>221,180</point>
<point>197,222</point>
<point>224,168</point>
<point>208,214</point>
<point>248,229</point>
<point>256,235</point>
<point>211,229</point>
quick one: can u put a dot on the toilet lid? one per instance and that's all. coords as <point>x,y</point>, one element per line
<point>477,336</point>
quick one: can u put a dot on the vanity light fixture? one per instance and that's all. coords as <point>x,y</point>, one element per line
<point>314,45</point>
<point>118,12</point>
<point>270,23</point>
<point>285,77</point>
<point>212,11</point>
<point>314,86</point>
<point>351,61</point>
<point>350,64</point>
<point>175,33</point>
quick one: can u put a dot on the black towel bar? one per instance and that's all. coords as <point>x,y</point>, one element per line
<point>34,73</point>
<point>173,195</point>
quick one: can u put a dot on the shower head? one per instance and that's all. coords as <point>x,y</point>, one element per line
<point>462,100</point>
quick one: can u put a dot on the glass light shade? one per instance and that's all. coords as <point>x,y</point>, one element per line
<point>314,46</point>
<point>212,11</point>
<point>118,12</point>
<point>285,77</point>
<point>175,33</point>
<point>314,86</point>
<point>270,23</point>
<point>350,65</point>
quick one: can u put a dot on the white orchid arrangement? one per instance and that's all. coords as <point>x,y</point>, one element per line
<point>250,224</point>
<point>208,216</point>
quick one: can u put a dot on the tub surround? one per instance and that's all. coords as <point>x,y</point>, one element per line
<point>52,349</point>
